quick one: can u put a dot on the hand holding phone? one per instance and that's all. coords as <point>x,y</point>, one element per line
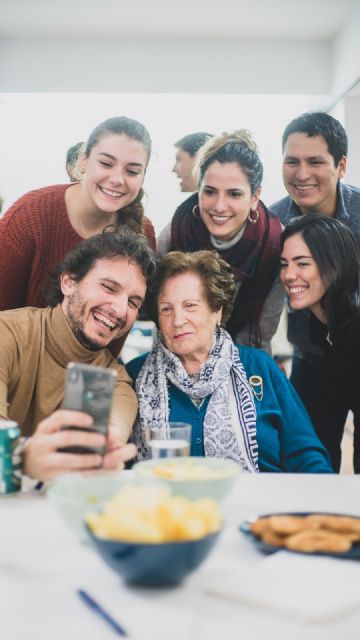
<point>89,389</point>
<point>41,458</point>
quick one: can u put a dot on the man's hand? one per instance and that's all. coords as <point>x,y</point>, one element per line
<point>116,452</point>
<point>43,461</point>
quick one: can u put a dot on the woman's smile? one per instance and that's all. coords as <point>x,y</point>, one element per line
<point>225,199</point>
<point>110,193</point>
<point>301,277</point>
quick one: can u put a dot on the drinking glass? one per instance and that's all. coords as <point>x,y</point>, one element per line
<point>169,441</point>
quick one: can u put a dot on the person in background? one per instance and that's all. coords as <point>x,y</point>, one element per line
<point>320,271</point>
<point>72,157</point>
<point>95,295</point>
<point>315,149</point>
<point>186,152</point>
<point>227,214</point>
<point>43,225</point>
<point>239,403</point>
<point>186,155</point>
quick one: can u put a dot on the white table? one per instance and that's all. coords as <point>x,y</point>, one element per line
<point>42,564</point>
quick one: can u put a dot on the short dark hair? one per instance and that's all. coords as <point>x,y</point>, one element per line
<point>193,142</point>
<point>319,123</point>
<point>72,153</point>
<point>109,244</point>
<point>215,274</point>
<point>333,247</point>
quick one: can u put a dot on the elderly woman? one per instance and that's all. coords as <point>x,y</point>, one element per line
<point>227,215</point>
<point>238,401</point>
<point>320,271</point>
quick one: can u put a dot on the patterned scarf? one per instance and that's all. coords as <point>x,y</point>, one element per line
<point>230,419</point>
<point>254,260</point>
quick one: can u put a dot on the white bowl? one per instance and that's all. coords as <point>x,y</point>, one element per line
<point>75,494</point>
<point>221,478</point>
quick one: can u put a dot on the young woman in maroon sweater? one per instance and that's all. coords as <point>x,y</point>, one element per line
<point>43,225</point>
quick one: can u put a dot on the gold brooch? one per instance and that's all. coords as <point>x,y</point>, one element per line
<point>257,387</point>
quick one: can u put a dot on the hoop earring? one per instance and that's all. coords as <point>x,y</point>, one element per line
<point>253,220</point>
<point>193,212</point>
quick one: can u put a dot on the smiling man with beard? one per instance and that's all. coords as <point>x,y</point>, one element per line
<point>95,296</point>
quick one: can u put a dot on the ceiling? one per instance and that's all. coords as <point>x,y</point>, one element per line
<point>318,20</point>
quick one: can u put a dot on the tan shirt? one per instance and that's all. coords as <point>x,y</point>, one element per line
<point>35,347</point>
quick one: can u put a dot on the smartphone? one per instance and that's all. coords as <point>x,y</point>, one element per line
<point>89,389</point>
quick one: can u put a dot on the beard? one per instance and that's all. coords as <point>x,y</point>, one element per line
<point>75,313</point>
<point>84,340</point>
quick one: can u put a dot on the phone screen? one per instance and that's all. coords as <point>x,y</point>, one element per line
<point>89,389</point>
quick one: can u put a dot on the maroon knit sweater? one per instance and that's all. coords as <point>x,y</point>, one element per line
<point>36,234</point>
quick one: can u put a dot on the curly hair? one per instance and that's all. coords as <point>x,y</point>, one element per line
<point>215,275</point>
<point>111,243</point>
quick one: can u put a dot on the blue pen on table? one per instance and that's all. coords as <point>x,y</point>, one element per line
<point>97,608</point>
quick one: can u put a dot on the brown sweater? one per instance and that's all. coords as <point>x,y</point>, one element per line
<point>35,235</point>
<point>35,347</point>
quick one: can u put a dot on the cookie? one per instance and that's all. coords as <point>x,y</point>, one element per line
<point>286,525</point>
<point>271,537</point>
<point>259,526</point>
<point>310,541</point>
<point>316,520</point>
<point>343,524</point>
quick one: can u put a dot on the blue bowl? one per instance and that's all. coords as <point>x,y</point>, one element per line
<point>154,565</point>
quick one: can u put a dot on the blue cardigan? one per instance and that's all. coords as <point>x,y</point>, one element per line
<point>286,438</point>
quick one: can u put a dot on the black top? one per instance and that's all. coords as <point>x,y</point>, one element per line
<point>341,362</point>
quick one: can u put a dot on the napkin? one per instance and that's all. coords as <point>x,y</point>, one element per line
<point>312,588</point>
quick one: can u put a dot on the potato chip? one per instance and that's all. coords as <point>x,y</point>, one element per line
<point>189,470</point>
<point>150,515</point>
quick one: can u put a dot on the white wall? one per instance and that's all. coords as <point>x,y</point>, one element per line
<point>41,130</point>
<point>346,56</point>
<point>352,124</point>
<point>188,66</point>
<point>346,73</point>
<point>36,130</point>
